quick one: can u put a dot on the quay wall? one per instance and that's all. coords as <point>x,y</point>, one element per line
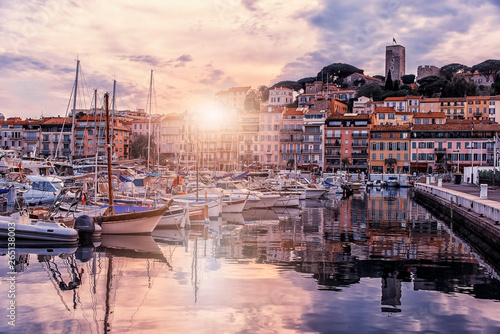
<point>477,218</point>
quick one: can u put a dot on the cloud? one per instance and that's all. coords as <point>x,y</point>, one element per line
<point>22,63</point>
<point>158,62</point>
<point>356,34</point>
<point>250,4</point>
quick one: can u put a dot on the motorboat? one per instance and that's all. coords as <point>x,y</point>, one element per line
<point>255,199</point>
<point>20,226</point>
<point>392,182</point>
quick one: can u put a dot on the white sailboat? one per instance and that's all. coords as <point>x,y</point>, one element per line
<point>125,219</point>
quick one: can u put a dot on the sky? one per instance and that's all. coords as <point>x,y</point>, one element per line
<point>197,48</point>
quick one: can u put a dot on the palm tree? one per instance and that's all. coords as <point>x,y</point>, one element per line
<point>346,162</point>
<point>390,163</point>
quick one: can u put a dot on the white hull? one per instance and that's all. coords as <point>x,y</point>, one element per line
<point>130,226</point>
<point>139,222</point>
<point>312,193</point>
<point>233,206</point>
<point>39,231</point>
<point>288,201</point>
<point>176,219</point>
<point>264,202</point>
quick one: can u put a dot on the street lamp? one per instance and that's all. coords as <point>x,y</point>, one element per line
<point>458,160</point>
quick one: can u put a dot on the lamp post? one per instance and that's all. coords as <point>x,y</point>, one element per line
<point>458,160</point>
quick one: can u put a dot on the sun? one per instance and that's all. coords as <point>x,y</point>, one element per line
<point>211,117</point>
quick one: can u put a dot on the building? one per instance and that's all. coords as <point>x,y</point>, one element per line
<point>292,120</point>
<point>390,148</point>
<point>346,140</point>
<point>269,135</point>
<point>233,98</point>
<point>280,96</point>
<point>395,61</point>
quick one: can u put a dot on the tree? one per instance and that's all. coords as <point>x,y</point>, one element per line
<point>252,101</point>
<point>495,86</point>
<point>346,162</point>
<point>408,79</point>
<point>381,77</point>
<point>139,147</point>
<point>262,91</point>
<point>336,72</point>
<point>359,82</point>
<point>490,66</point>
<point>459,87</point>
<point>448,70</point>
<point>390,164</point>
<point>395,85</point>
<point>431,85</point>
<point>304,81</point>
<point>388,81</point>
<point>373,90</point>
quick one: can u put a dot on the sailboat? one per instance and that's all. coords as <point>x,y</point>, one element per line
<point>125,219</point>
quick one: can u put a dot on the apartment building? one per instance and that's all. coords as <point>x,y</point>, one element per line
<point>291,135</point>
<point>347,139</point>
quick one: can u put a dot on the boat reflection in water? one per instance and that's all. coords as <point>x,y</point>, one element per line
<point>377,262</point>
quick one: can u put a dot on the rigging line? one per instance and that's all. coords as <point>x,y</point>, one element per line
<point>84,87</point>
<point>144,298</point>
<point>64,122</point>
<point>54,284</point>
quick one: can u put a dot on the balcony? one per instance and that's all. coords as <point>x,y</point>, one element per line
<point>359,155</point>
<point>359,144</point>
<point>312,151</point>
<point>360,135</point>
<point>440,150</point>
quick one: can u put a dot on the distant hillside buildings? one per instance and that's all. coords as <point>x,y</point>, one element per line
<point>398,134</point>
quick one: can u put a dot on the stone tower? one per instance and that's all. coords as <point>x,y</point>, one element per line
<point>395,61</point>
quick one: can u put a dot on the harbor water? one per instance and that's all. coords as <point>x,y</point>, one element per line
<point>373,263</point>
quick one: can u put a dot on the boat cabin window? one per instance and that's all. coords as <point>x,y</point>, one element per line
<point>138,182</point>
<point>42,186</point>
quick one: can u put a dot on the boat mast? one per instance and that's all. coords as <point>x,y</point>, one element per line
<point>74,114</point>
<point>149,127</point>
<point>96,139</point>
<point>108,146</point>
<point>112,119</point>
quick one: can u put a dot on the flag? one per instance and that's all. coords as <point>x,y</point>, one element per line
<point>394,41</point>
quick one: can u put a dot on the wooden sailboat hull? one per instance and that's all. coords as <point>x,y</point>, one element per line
<point>140,222</point>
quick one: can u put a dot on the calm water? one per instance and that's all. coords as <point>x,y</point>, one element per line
<point>375,263</point>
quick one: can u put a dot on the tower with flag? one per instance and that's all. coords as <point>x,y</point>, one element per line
<point>395,60</point>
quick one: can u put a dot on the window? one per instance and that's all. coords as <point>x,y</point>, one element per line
<point>381,116</point>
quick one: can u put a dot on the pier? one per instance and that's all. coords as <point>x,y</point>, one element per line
<point>474,215</point>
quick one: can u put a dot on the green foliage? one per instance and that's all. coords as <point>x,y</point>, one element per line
<point>139,147</point>
<point>388,81</point>
<point>305,81</point>
<point>346,162</point>
<point>252,101</point>
<point>381,77</point>
<point>489,66</point>
<point>373,90</point>
<point>287,84</point>
<point>459,87</point>
<point>450,69</point>
<point>431,85</point>
<point>336,72</point>
<point>394,93</point>
<point>495,86</point>
<point>395,85</point>
<point>359,82</point>
<point>408,79</point>
<point>486,176</point>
